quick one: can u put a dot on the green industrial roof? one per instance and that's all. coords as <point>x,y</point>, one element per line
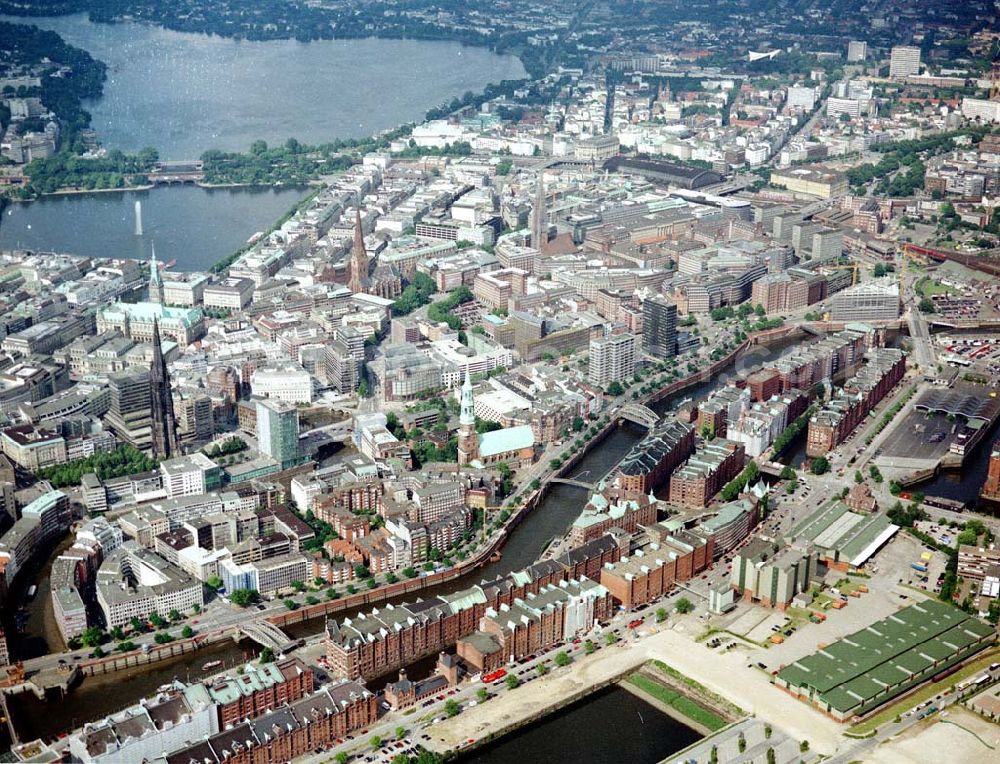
<point>858,667</point>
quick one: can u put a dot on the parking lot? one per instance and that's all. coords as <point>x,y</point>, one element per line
<point>918,437</point>
<point>885,596</point>
<point>758,737</point>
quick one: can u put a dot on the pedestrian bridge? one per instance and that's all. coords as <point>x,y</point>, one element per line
<point>639,414</point>
<point>576,483</point>
<point>266,634</point>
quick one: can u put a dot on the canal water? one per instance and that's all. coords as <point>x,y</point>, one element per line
<point>551,518</point>
<point>611,725</point>
<point>965,484</point>
<point>31,629</point>
<point>96,697</point>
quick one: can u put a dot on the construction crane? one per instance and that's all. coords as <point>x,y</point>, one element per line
<point>995,77</point>
<point>852,266</point>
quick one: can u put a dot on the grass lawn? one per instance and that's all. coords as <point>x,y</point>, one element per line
<point>928,692</point>
<point>928,287</point>
<point>675,700</point>
<point>717,700</point>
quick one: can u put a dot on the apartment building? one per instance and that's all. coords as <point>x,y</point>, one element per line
<point>612,359</point>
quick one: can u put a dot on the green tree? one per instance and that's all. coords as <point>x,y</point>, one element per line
<point>741,742</point>
<point>926,305</point>
<point>512,681</point>
<point>661,615</point>
<point>684,605</point>
<point>400,733</point>
<point>341,758</point>
<point>187,632</point>
<point>266,656</point>
<point>483,694</point>
<point>243,597</point>
<point>819,465</point>
<point>610,638</point>
<point>589,647</point>
<point>291,604</point>
<point>126,646</point>
<point>542,669</point>
<point>376,742</point>
<point>451,707</point>
<point>562,659</point>
<point>298,586</point>
<point>92,637</point>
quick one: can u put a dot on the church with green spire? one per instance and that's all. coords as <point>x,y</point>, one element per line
<point>513,445</point>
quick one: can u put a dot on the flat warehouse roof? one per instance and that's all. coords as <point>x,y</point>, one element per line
<point>888,652</point>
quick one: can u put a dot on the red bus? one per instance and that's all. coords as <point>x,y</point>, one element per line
<point>494,676</point>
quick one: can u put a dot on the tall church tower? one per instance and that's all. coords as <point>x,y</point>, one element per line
<point>359,259</point>
<point>164,426</point>
<point>539,228</point>
<point>468,442</point>
<point>155,283</point>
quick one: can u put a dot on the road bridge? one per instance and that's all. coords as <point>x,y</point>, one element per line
<point>576,483</point>
<point>266,634</point>
<point>772,469</point>
<point>639,414</point>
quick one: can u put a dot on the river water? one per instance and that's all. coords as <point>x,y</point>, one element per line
<point>183,93</point>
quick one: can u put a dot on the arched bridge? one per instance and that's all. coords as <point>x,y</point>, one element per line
<point>641,415</point>
<point>576,483</point>
<point>267,634</point>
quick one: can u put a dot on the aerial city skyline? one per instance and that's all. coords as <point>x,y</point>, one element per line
<point>459,381</point>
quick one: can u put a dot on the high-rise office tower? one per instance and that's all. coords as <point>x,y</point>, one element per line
<point>129,414</point>
<point>278,430</point>
<point>659,327</point>
<point>904,60</point>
